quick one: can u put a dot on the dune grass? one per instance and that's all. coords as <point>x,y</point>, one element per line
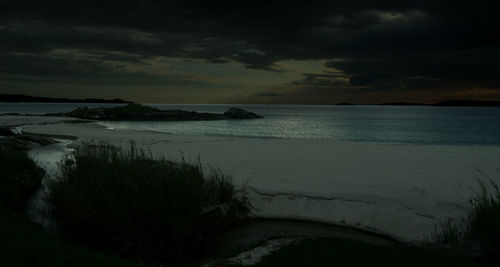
<point>20,177</point>
<point>154,210</point>
<point>478,233</point>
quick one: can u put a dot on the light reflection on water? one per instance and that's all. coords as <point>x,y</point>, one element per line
<point>374,124</point>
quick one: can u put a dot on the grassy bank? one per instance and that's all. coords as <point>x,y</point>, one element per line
<point>138,207</point>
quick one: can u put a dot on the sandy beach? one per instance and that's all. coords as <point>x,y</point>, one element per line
<point>402,191</point>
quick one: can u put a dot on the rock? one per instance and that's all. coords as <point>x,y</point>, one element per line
<point>237,113</point>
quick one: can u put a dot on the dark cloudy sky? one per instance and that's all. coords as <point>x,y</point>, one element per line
<point>306,52</point>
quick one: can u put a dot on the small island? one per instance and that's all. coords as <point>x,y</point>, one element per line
<point>138,112</point>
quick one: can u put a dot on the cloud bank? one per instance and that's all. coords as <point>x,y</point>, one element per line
<point>253,51</point>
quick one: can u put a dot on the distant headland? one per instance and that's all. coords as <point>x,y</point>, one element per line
<point>449,103</point>
<point>468,103</point>
<point>403,104</point>
<point>17,98</point>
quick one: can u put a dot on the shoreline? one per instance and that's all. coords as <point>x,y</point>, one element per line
<point>400,191</point>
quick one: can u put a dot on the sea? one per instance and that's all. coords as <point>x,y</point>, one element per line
<point>367,124</point>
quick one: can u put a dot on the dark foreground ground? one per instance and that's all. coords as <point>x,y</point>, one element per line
<point>23,243</point>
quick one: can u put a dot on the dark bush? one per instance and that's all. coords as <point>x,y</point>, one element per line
<point>154,210</point>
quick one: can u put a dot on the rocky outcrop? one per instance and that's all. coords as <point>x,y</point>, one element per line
<point>137,112</point>
<point>237,113</point>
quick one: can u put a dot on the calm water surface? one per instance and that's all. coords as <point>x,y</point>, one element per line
<point>373,124</point>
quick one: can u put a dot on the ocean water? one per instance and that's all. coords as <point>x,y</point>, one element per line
<point>371,124</point>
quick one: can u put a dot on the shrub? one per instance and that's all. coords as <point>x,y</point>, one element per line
<point>20,177</point>
<point>154,210</point>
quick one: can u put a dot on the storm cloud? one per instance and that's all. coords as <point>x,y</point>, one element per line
<point>376,46</point>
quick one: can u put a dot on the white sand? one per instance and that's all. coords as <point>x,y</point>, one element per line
<point>398,190</point>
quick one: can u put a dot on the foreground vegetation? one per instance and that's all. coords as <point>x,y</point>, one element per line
<point>484,219</point>
<point>153,210</point>
<point>479,232</point>
<point>23,243</point>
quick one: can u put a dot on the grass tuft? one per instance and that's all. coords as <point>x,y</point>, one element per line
<point>155,210</point>
<point>484,218</point>
<point>478,232</point>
